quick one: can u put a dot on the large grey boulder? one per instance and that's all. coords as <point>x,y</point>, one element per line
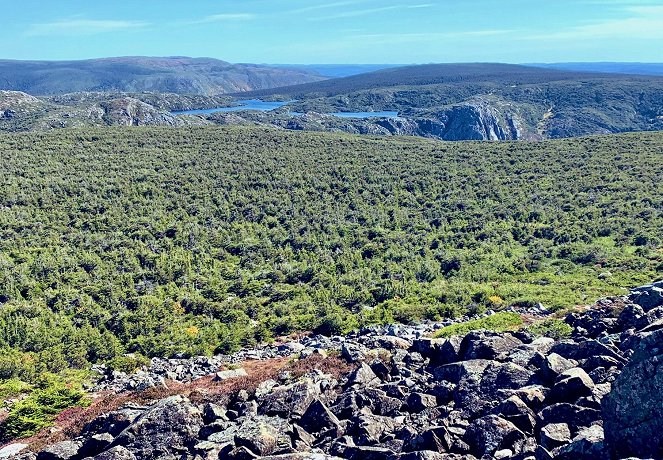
<point>571,385</point>
<point>648,296</point>
<point>633,410</point>
<point>455,372</point>
<point>477,393</point>
<point>492,433</point>
<point>517,412</point>
<point>229,374</point>
<point>262,437</point>
<point>113,422</point>
<point>12,450</point>
<point>64,450</point>
<point>587,445</point>
<point>555,435</point>
<point>586,349</point>
<point>487,345</point>
<point>96,444</point>
<point>418,402</point>
<point>318,418</point>
<point>116,453</point>
<point>553,365</point>
<point>435,439</point>
<point>289,400</point>
<point>575,416</point>
<point>363,376</point>
<point>439,351</point>
<point>168,427</point>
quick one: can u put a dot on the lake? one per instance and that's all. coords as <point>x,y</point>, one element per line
<point>266,106</point>
<point>249,104</point>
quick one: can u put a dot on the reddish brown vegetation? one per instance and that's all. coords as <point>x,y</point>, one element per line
<point>71,422</point>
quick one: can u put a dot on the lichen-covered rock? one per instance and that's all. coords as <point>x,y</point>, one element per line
<point>170,426</point>
<point>648,296</point>
<point>229,374</point>
<point>571,385</point>
<point>633,410</point>
<point>318,418</point>
<point>555,435</point>
<point>487,345</point>
<point>492,433</point>
<point>289,400</point>
<point>65,450</point>
<point>116,453</point>
<point>12,450</point>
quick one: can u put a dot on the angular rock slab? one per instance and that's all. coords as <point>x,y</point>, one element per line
<point>633,410</point>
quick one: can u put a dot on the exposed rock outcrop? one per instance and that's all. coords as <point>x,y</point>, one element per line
<point>486,395</point>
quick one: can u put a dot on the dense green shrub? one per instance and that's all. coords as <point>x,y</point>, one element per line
<point>169,241</point>
<point>31,414</point>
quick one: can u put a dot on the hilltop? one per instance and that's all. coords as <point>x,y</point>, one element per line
<point>428,74</point>
<point>631,68</point>
<point>182,75</point>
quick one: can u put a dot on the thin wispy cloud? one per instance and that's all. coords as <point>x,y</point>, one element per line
<point>327,6</point>
<point>368,11</point>
<point>639,22</point>
<point>381,39</point>
<point>79,26</point>
<point>622,3</point>
<point>225,17</point>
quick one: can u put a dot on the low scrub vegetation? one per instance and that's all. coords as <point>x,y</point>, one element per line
<point>39,407</point>
<point>163,242</point>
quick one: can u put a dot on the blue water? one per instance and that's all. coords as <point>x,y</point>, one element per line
<point>249,104</point>
<point>266,106</point>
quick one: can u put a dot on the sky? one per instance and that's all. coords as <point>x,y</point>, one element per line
<point>337,31</point>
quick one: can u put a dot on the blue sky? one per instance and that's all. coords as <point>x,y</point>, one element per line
<point>337,31</point>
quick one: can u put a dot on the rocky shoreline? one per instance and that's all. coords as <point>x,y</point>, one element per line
<point>406,396</point>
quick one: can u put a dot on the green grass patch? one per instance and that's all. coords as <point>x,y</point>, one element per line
<point>499,322</point>
<point>553,328</point>
<point>13,387</point>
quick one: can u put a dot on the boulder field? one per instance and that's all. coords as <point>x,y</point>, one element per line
<point>405,396</point>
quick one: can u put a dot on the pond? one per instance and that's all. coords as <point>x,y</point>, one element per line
<point>249,104</point>
<point>266,106</point>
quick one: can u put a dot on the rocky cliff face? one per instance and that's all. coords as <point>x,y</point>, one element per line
<point>132,112</point>
<point>476,120</point>
<point>395,393</point>
<point>22,112</point>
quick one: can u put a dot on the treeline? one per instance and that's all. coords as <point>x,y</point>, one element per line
<point>162,241</point>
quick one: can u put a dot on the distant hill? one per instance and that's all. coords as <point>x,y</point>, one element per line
<point>181,75</point>
<point>339,70</point>
<point>633,68</point>
<point>446,101</point>
<point>490,101</point>
<point>428,74</point>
